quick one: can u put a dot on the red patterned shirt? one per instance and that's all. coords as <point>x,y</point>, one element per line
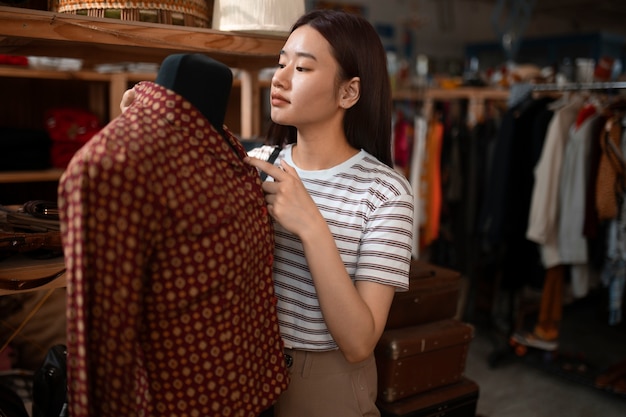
<point>168,246</point>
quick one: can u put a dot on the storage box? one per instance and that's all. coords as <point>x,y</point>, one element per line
<point>192,13</point>
<point>433,295</point>
<point>415,359</point>
<point>459,399</point>
<point>273,17</point>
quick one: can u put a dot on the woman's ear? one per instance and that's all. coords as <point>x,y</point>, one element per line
<point>350,93</point>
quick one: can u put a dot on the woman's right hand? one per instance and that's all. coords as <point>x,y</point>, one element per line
<point>127,99</point>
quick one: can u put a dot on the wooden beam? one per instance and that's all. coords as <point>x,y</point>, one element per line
<point>34,32</point>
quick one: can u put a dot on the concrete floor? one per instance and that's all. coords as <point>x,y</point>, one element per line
<point>536,385</point>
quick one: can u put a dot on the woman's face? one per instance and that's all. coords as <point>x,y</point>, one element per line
<point>304,89</point>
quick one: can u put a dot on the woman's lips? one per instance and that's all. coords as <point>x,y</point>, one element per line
<point>278,100</point>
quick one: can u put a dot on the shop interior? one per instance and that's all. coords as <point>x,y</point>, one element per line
<point>476,87</point>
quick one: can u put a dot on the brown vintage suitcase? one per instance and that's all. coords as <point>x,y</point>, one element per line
<point>459,399</point>
<point>433,295</point>
<point>419,358</point>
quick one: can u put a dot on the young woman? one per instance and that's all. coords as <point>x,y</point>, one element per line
<point>343,216</point>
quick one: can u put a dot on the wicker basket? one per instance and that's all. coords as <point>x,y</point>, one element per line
<point>193,13</point>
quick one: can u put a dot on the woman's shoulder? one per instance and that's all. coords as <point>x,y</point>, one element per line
<point>383,174</point>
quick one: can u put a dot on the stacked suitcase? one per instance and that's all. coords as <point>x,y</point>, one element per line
<point>421,355</point>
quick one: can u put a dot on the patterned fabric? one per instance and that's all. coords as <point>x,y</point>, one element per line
<point>168,245</point>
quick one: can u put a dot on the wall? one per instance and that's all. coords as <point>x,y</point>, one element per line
<point>442,28</point>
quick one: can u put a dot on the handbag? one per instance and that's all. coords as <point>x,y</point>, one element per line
<point>50,385</point>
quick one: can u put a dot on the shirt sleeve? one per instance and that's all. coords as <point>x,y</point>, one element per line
<point>385,252</point>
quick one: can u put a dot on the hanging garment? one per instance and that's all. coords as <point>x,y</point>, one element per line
<point>544,210</point>
<point>506,197</point>
<point>505,207</point>
<point>430,184</point>
<point>551,306</point>
<point>402,143</point>
<point>574,176</point>
<point>415,173</point>
<point>614,272</point>
<point>482,141</point>
<point>594,229</point>
<point>169,252</point>
<point>611,177</point>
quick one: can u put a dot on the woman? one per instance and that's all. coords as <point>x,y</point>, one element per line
<point>343,217</point>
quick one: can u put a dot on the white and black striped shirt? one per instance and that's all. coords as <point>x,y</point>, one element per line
<point>369,210</point>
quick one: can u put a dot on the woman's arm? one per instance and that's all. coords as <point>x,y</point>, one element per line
<point>355,314</point>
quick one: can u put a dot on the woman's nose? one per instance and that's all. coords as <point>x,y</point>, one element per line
<point>279,79</point>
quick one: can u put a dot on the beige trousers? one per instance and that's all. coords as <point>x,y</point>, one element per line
<point>324,384</point>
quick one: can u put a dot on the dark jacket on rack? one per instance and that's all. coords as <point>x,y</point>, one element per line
<point>503,216</point>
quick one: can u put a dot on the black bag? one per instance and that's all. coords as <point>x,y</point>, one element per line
<point>50,385</point>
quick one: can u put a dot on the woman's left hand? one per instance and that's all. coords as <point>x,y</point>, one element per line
<point>288,202</point>
<point>127,99</point>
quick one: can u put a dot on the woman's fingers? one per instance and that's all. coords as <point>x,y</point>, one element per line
<point>127,99</point>
<point>270,169</point>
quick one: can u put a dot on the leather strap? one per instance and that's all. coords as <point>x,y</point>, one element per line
<point>29,284</point>
<point>271,160</point>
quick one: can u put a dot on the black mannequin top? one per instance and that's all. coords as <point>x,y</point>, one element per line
<point>205,82</point>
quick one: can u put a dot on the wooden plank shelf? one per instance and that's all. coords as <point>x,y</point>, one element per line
<point>105,40</point>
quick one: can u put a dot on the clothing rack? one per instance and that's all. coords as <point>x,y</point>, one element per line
<point>571,365</point>
<point>580,86</point>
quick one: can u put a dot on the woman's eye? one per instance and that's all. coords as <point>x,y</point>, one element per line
<point>301,69</point>
<point>281,65</point>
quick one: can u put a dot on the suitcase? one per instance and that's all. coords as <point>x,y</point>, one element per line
<point>433,295</point>
<point>459,399</point>
<point>419,358</point>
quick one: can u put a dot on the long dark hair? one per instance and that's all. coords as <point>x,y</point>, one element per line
<point>357,48</point>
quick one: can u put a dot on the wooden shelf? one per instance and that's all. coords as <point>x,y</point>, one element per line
<point>28,32</point>
<point>84,75</point>
<point>477,93</point>
<point>21,269</point>
<point>103,40</point>
<point>30,176</point>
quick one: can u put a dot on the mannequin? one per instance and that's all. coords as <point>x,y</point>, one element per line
<point>203,81</point>
<point>169,249</point>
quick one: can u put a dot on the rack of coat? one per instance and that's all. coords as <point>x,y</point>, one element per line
<point>446,149</point>
<point>576,215</point>
<point>525,190</point>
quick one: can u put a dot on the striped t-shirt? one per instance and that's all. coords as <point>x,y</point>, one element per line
<point>369,210</point>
